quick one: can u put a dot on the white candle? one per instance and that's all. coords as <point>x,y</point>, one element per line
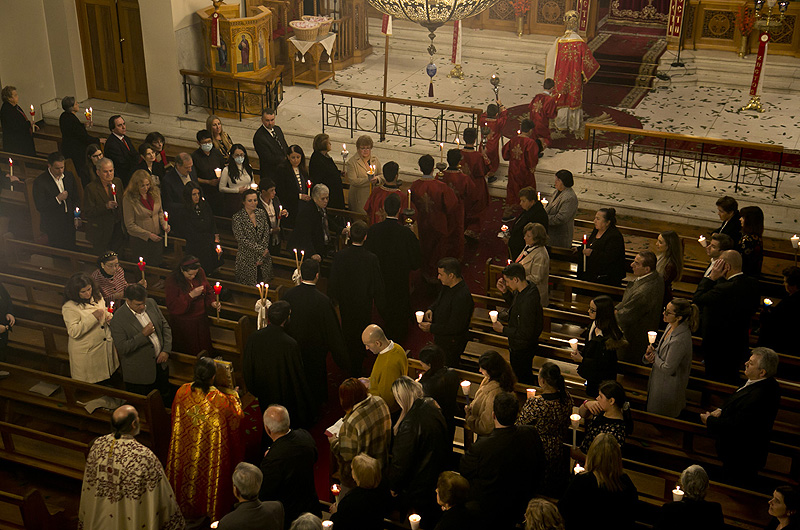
<point>573,343</point>
<point>215,524</point>
<point>767,302</point>
<point>544,202</point>
<point>217,172</point>
<point>254,186</point>
<point>493,316</point>
<point>575,419</point>
<point>327,524</point>
<point>414,520</point>
<point>702,240</point>
<point>578,469</point>
<point>465,386</point>
<point>441,152</point>
<point>420,315</point>
<point>651,337</point>
<point>795,241</point>
<point>530,392</point>
<point>10,168</point>
<point>504,228</point>
<point>166,221</point>
<point>677,494</point>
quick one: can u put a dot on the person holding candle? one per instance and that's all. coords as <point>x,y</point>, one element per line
<point>374,205</point>
<point>269,201</point>
<point>120,148</point>
<point>291,181</point>
<point>237,175</point>
<point>669,264</point>
<point>102,211</point>
<point>249,513</point>
<point>728,212</point>
<point>532,212</point>
<point>362,172</point>
<point>365,506</point>
<point>601,496</point>
<point>74,138</point>
<point>150,164</point>
<point>314,229</point>
<point>561,210</point>
<point>604,251</point>
<point>110,278</point>
<point>322,169</point>
<point>189,296</point>
<point>92,154</point>
<point>536,261</point>
<point>497,377</point>
<point>270,144</point>
<point>207,160</point>
<point>202,235</point>
<point>17,128</point>
<point>693,511</point>
<point>778,321</point>
<point>221,140</point>
<point>751,243</point>
<point>608,413</point>
<point>55,195</point>
<point>672,359</point>
<point>640,309</point>
<point>92,357</point>
<point>549,411</point>
<point>7,321</point>
<point>251,229</point>
<point>716,245</point>
<point>784,506</point>
<point>602,343</point>
<point>440,383</point>
<point>144,218</point>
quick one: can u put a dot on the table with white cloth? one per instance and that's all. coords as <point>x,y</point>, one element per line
<point>313,48</point>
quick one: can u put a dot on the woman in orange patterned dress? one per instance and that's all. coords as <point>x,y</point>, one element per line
<point>205,445</point>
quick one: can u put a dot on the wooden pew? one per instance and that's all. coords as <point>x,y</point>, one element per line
<point>29,512</point>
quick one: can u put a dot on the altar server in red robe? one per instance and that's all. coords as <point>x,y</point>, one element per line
<point>374,205</point>
<point>522,154</point>
<point>475,164</point>
<point>543,108</point>
<point>492,123</point>
<point>465,191</point>
<point>441,226</point>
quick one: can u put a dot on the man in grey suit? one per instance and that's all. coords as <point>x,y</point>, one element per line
<point>640,309</point>
<point>561,211</point>
<point>142,337</point>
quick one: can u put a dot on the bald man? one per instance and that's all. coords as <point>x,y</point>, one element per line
<point>125,481</point>
<point>728,299</point>
<point>390,364</point>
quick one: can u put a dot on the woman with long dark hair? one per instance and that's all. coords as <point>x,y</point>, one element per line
<point>291,183</point>
<point>752,244</point>
<point>189,296</point>
<point>251,230</point>
<point>497,377</point>
<point>602,344</point>
<point>609,413</point>
<point>202,236</point>
<point>605,250</point>
<point>87,173</point>
<point>150,164</point>
<point>670,260</point>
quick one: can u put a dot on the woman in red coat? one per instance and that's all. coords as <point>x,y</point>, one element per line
<point>189,295</point>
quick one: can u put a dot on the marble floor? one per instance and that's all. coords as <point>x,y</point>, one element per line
<point>691,102</point>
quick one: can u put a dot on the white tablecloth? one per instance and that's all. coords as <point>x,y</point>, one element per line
<point>303,46</point>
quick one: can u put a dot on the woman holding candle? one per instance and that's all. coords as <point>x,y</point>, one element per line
<point>609,413</point>
<point>189,295</point>
<point>601,496</point>
<point>692,511</point>
<point>17,128</point>
<point>322,169</point>
<point>144,218</point>
<point>561,210</point>
<point>752,244</point>
<point>672,359</point>
<point>603,342</point>
<point>497,377</point>
<point>441,383</point>
<point>271,204</point>
<point>784,506</point>
<point>110,278</point>
<point>251,229</point>
<point>536,261</point>
<point>549,412</point>
<point>366,505</point>
<point>220,138</point>
<point>202,236</point>
<point>150,164</point>
<point>291,183</point>
<point>605,250</point>
<point>92,357</point>
<point>74,138</point>
<point>670,260</point>
<point>362,171</point>
<point>236,178</point>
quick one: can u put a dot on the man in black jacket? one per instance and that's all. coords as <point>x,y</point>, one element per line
<point>532,212</point>
<point>524,324</point>
<point>270,145</point>
<point>399,253</point>
<point>288,467</point>
<point>175,180</point>
<point>313,227</point>
<point>778,322</point>
<point>449,316</point>
<point>504,468</point>
<point>250,513</point>
<point>355,285</point>
<point>743,425</point>
<point>56,197</point>
<point>728,299</point>
<point>120,149</point>
<point>208,158</point>
<point>728,212</point>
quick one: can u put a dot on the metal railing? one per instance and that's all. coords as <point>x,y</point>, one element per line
<point>229,93</point>
<point>404,118</point>
<point>636,151</point>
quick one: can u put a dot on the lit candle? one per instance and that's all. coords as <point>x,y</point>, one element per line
<point>767,302</point>
<point>217,172</point>
<point>166,222</point>
<point>409,197</point>
<point>575,419</point>
<point>33,114</point>
<point>335,489</point>
<point>504,229</point>
<point>296,260</point>
<point>795,240</point>
<point>141,265</point>
<point>651,337</point>
<point>217,290</point>
<point>493,316</point>
<point>111,307</point>
<point>414,520</point>
<point>215,524</point>
<point>530,392</point>
<point>677,494</point>
<point>219,251</point>
<point>10,168</point>
<point>308,184</point>
<point>458,142</point>
<point>345,152</point>
<point>465,386</point>
<point>77,213</point>
<point>585,243</point>
<point>114,192</point>
<point>702,240</point>
<point>573,343</point>
<point>544,201</point>
<point>538,196</point>
<point>508,262</point>
<point>578,469</point>
<point>441,152</point>
<point>253,186</point>
<point>420,315</point>
<point>327,524</point>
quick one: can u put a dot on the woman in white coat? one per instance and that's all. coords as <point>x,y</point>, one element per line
<point>91,352</point>
<point>561,211</point>
<point>671,358</point>
<point>536,260</point>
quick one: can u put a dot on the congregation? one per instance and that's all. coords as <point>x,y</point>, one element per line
<point>395,453</point>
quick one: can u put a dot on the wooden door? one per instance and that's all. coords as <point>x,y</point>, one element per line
<point>113,52</point>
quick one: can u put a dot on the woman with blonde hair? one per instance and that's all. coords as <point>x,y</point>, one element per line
<point>542,514</point>
<point>536,260</point>
<point>357,170</point>
<point>601,496</point>
<point>144,218</point>
<point>670,260</point>
<point>365,505</point>
<point>219,137</point>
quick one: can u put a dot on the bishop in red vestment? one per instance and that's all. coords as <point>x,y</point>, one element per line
<point>492,124</point>
<point>543,108</point>
<point>522,154</point>
<point>374,204</point>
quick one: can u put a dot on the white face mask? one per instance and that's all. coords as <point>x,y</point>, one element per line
<point>239,160</point>
<point>206,147</point>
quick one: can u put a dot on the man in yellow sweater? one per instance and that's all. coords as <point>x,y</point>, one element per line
<point>390,364</point>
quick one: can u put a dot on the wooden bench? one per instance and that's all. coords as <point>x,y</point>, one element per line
<point>28,512</point>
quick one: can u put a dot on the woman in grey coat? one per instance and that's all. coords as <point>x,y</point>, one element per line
<point>671,358</point>
<point>561,211</point>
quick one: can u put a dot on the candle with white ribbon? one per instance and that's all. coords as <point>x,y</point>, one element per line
<point>420,315</point>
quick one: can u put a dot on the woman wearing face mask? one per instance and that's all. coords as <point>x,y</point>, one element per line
<point>202,236</point>
<point>149,163</point>
<point>189,296</point>
<point>236,178</point>
<point>251,229</point>
<point>292,183</point>
<point>91,351</point>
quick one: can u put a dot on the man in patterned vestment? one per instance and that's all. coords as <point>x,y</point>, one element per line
<point>124,485</point>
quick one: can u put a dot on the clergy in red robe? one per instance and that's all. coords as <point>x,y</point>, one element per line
<point>206,443</point>
<point>543,108</point>
<point>441,224</point>
<point>475,164</point>
<point>492,123</point>
<point>522,154</point>
<point>374,204</point>
<point>465,190</point>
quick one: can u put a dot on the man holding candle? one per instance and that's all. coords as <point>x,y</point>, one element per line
<point>270,145</point>
<point>532,212</point>
<point>313,227</point>
<point>102,211</point>
<point>120,149</point>
<point>56,197</point>
<point>641,306</point>
<point>175,180</point>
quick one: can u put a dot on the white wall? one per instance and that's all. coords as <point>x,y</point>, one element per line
<point>61,18</point>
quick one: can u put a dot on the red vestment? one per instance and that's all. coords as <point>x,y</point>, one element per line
<point>374,204</point>
<point>575,65</point>
<point>543,108</point>
<point>492,150</point>
<point>522,154</point>
<point>440,222</point>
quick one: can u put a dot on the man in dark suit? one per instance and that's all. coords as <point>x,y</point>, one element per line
<point>270,145</point>
<point>778,322</point>
<point>206,159</point>
<point>102,211</point>
<point>504,468</point>
<point>288,467</point>
<point>273,367</point>
<point>398,253</point>
<point>728,299</point>
<point>143,339</point>
<point>524,324</point>
<point>316,329</point>
<point>728,212</point>
<point>532,212</point>
<point>175,179</point>
<point>355,285</point>
<point>249,513</point>
<point>313,226</point>
<point>743,425</point>
<point>641,308</point>
<point>56,197</point>
<point>120,149</point>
